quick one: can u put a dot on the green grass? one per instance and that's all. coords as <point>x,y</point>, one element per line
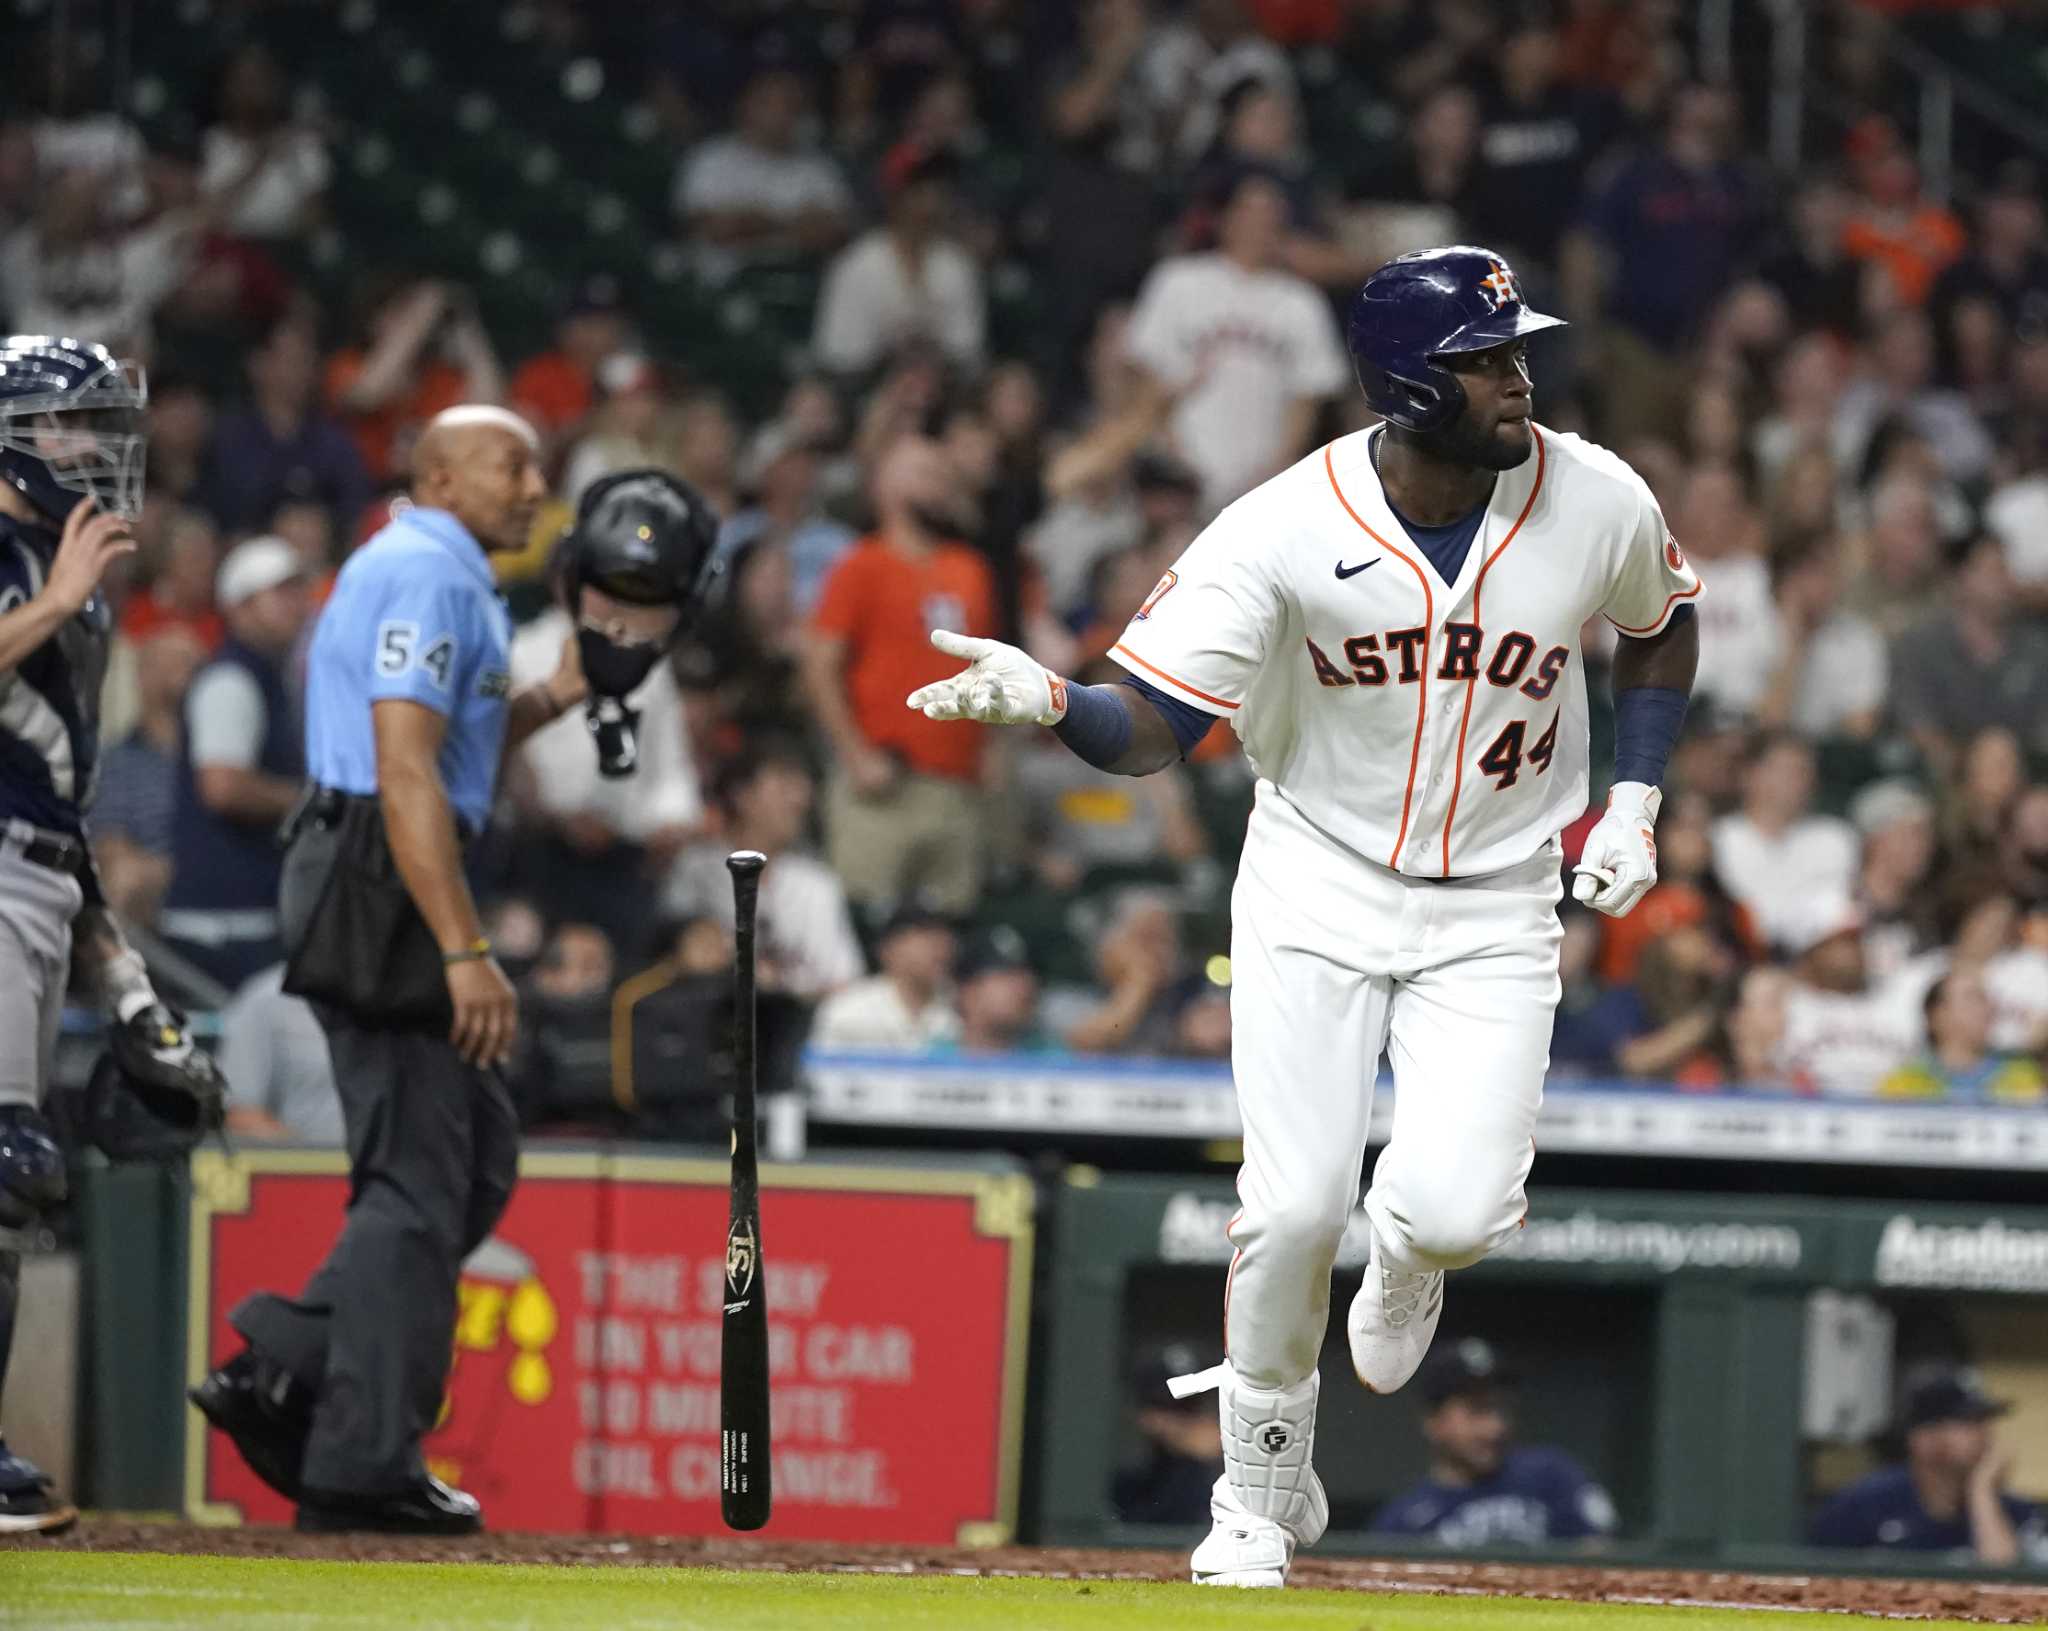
<point>106,1591</point>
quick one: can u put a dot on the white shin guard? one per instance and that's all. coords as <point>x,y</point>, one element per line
<point>1268,1478</point>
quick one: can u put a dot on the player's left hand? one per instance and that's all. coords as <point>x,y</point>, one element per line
<point>1619,863</point>
<point>168,1070</point>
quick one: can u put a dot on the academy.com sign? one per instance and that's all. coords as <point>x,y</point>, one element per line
<point>1191,1231</point>
<point>1990,1256</point>
<point>1586,1237</point>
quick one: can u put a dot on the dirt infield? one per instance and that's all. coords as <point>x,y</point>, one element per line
<point>1905,1599</point>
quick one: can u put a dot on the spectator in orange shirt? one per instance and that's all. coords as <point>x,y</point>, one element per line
<point>1909,238</point>
<point>904,816</point>
<point>555,391</point>
<point>425,351</point>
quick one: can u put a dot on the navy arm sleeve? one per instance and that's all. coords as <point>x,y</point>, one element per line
<point>1189,723</point>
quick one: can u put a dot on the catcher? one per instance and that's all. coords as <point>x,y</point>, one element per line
<point>71,457</point>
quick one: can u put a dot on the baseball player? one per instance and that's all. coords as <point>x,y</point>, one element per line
<point>1391,626</point>
<point>71,458</point>
<point>1484,1489</point>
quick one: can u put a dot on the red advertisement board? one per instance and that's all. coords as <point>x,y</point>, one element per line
<point>583,1396</point>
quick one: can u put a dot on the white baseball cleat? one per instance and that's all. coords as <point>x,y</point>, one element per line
<point>1242,1549</point>
<point>1392,1321</point>
<point>1269,1500</point>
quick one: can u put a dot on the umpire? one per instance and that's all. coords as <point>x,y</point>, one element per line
<point>408,716</point>
<point>408,711</point>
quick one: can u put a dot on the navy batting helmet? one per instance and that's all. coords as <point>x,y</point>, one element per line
<point>1433,303</point>
<point>71,425</point>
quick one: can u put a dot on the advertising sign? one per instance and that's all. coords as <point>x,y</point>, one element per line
<point>583,1395</point>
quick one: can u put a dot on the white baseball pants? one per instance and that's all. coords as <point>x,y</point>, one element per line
<point>1334,959</point>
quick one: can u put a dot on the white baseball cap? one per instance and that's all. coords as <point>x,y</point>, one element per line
<point>1889,804</point>
<point>1832,914</point>
<point>254,566</point>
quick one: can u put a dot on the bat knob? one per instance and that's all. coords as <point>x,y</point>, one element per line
<point>744,862</point>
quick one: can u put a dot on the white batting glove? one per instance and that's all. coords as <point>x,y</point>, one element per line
<point>1619,863</point>
<point>1000,685</point>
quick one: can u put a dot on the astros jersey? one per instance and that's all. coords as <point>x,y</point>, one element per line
<point>1436,728</point>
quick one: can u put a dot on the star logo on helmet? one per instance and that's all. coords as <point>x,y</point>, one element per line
<point>1499,286</point>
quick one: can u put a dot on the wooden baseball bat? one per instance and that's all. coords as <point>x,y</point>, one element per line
<point>743,1480</point>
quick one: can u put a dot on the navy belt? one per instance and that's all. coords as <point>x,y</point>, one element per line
<point>56,853</point>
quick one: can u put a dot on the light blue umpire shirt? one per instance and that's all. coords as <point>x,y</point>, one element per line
<point>415,614</point>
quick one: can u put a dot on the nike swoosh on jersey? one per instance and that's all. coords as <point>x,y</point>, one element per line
<point>1344,571</point>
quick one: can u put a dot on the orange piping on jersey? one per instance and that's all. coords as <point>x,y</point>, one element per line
<point>1429,629</point>
<point>1126,651</point>
<point>1651,628</point>
<point>1471,685</point>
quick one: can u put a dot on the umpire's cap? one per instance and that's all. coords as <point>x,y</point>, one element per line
<point>644,536</point>
<point>1430,304</point>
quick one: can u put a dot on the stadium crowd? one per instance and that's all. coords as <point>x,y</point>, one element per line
<point>1836,384</point>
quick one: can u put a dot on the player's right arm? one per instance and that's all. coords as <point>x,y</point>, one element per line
<point>1193,649</point>
<point>1113,727</point>
<point>91,539</point>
